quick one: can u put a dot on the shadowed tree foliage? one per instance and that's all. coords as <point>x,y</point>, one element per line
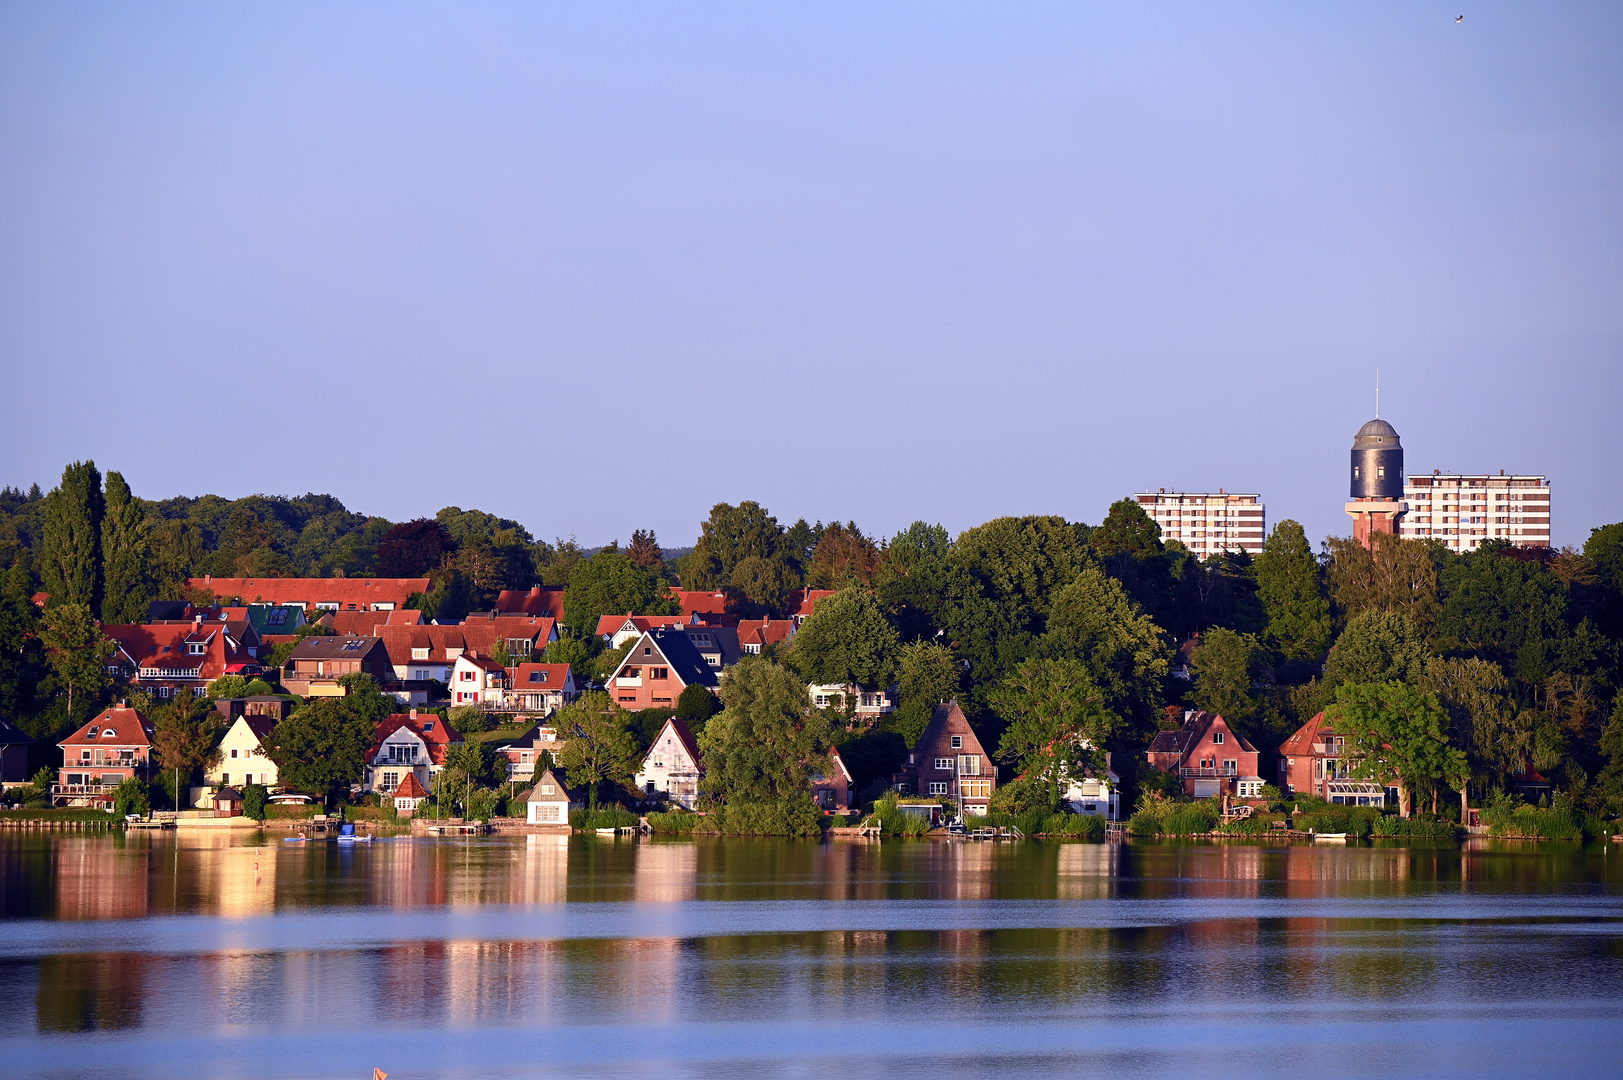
<point>1125,652</point>
<point>609,583</point>
<point>767,742</point>
<point>1394,575</point>
<point>186,730</point>
<point>321,748</point>
<point>927,675</point>
<point>413,548</point>
<point>1058,721</point>
<point>126,552</point>
<point>646,552</point>
<point>1290,587</point>
<point>598,744</point>
<point>846,640</point>
<point>1227,667</point>
<point>78,652</point>
<point>843,556</point>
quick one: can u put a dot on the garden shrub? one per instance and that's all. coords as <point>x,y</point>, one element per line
<point>674,822</point>
<point>1191,820</point>
<point>607,816</point>
<point>794,817</point>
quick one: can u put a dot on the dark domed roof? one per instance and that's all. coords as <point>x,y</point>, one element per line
<point>1378,427</point>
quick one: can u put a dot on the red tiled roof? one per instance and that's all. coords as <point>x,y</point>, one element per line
<point>410,788</point>
<point>436,734</point>
<point>704,603</point>
<point>1300,744</point>
<point>476,635</point>
<point>546,601</point>
<point>805,600</point>
<point>608,625</point>
<point>362,623</point>
<point>555,676</point>
<point>484,663</point>
<point>163,646</point>
<point>764,631</point>
<point>348,593</point>
<point>130,729</point>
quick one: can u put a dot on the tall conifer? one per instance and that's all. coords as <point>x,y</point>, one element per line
<point>126,549</point>
<point>1292,593</point>
<point>70,556</point>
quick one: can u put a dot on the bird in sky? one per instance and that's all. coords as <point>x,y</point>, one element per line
<point>1459,18</point>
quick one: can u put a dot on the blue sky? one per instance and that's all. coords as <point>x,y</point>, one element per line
<point>596,267</point>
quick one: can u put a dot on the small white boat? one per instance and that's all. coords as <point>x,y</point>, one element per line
<point>1331,837</point>
<point>355,839</point>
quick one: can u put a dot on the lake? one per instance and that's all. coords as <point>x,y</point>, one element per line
<point>218,956</point>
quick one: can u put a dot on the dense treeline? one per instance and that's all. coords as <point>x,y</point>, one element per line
<point>1042,628</point>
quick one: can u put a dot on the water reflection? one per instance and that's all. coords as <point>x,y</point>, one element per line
<point>283,959</point>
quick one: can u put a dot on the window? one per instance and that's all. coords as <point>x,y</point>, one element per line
<point>194,648</point>
<point>276,618</point>
<point>1380,470</point>
<point>659,673</point>
<point>353,645</point>
<point>108,733</point>
<point>549,789</point>
<point>233,751</point>
<point>957,742</point>
<point>549,812</point>
<point>428,725</point>
<point>938,787</point>
<point>1217,737</point>
<point>976,789</point>
<point>225,778</point>
<point>1230,766</point>
<point>647,650</point>
<point>419,654</point>
<point>944,764</point>
<point>391,780</point>
<point>539,676</point>
<point>467,676</point>
<point>969,765</point>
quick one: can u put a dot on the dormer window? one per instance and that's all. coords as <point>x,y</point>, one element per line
<point>108,733</point>
<point>428,725</point>
<point>194,648</point>
<point>419,654</point>
<point>92,733</point>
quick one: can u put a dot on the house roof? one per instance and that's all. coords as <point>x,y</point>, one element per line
<point>129,728</point>
<point>609,625</point>
<point>357,594</point>
<point>163,646</point>
<point>947,716</point>
<point>260,725</point>
<point>678,727</point>
<point>1300,744</point>
<point>410,788</point>
<point>483,663</point>
<point>700,602</point>
<point>334,648</point>
<point>671,646</point>
<point>557,775</point>
<point>804,601</point>
<point>722,639</point>
<point>839,762</point>
<point>764,631</point>
<point>11,734</point>
<point>437,735</point>
<point>546,601</point>
<point>540,676</point>
<point>357,623</point>
<point>1194,729</point>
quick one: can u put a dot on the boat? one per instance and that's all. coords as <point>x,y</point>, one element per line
<point>1331,837</point>
<point>351,838</point>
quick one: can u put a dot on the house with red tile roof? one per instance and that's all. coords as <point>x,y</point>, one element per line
<point>409,743</point>
<point>477,680</point>
<point>113,747</point>
<point>362,623</point>
<point>832,792</point>
<point>949,762</point>
<point>712,608</point>
<point>802,602</point>
<point>408,794</point>
<point>616,630</point>
<point>178,657</point>
<point>539,688</point>
<point>541,601</point>
<point>756,634</point>
<point>1313,761</point>
<point>336,594</point>
<point>672,767</point>
<point>421,653</point>
<point>1208,756</point>
<point>243,758</point>
<point>657,668</point>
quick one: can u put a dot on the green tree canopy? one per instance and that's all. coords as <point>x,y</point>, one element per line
<point>767,742</point>
<point>609,583</point>
<point>321,748</point>
<point>927,674</point>
<point>1291,589</point>
<point>598,744</point>
<point>918,541</point>
<point>843,557</point>
<point>1227,666</point>
<point>1377,646</point>
<point>78,652</point>
<point>1127,654</point>
<point>186,731</point>
<point>126,547</point>
<point>70,550</point>
<point>846,640</point>
<point>1396,734</point>
<point>1395,576</point>
<point>727,537</point>
<point>695,705</point>
<point>1058,720</point>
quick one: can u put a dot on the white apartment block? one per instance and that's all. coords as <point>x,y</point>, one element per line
<point>1461,511</point>
<point>1208,523</point>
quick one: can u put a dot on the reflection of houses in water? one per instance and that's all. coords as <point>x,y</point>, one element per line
<point>665,872</point>
<point>1085,871</point>
<point>80,992</point>
<point>235,881</point>
<point>1305,867</point>
<point>544,877</point>
<point>99,879</point>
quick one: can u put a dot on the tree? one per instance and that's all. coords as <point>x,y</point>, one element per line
<point>186,731</point>
<point>477,761</point>
<point>254,799</point>
<point>1377,646</point>
<point>843,557</point>
<point>364,699</point>
<point>1024,561</point>
<point>1396,734</point>
<point>918,541</point>
<point>1482,712</point>
<point>228,686</point>
<point>1128,655</point>
<point>846,640</point>
<point>132,796</point>
<point>178,549</point>
<point>644,551</point>
<point>467,719</point>
<point>78,651</point>
<point>321,748</point>
<point>70,549</point>
<point>598,745</point>
<point>729,536</point>
<point>765,584</point>
<point>767,741</point>
<point>126,549</point>
<point>1057,720</point>
<point>611,584</point>
<point>927,675</point>
<point>1393,575</point>
<point>574,651</point>
<point>1292,593</point>
<point>1227,666</point>
<point>695,705</point>
<point>413,548</point>
<point>1496,605</point>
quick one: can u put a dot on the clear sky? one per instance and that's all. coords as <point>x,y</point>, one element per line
<point>598,266</point>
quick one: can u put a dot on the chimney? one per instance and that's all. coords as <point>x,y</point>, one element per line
<point>414,712</point>
<point>535,590</point>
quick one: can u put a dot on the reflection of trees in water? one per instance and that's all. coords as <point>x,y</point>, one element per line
<point>90,992</point>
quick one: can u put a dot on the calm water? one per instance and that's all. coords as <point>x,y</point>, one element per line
<point>152,956</point>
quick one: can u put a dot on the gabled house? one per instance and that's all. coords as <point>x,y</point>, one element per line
<point>540,688</point>
<point>672,767</point>
<point>616,630</point>
<point>178,657</point>
<point>407,744</point>
<point>524,752</point>
<point>551,798</point>
<point>316,664</point>
<point>541,601</point>
<point>242,754</point>
<point>408,795</point>
<point>657,669</point>
<point>113,747</point>
<point>950,762</point>
<point>1208,757</point>
<point>14,746</point>
<point>477,680</point>
<point>802,602</point>
<point>833,791</point>
<point>1313,761</point>
<point>331,594</point>
<point>421,653</point>
<point>756,634</point>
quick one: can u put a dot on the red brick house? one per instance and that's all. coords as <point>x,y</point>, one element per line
<point>950,762</point>
<point>657,669</point>
<point>1313,762</point>
<point>316,664</point>
<point>1208,757</point>
<point>756,634</point>
<point>833,791</point>
<point>113,747</point>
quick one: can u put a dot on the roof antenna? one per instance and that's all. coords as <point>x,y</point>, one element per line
<point>1377,393</point>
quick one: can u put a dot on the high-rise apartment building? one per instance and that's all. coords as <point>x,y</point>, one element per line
<point>1208,523</point>
<point>1464,510</point>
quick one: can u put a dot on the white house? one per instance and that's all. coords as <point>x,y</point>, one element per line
<point>407,744</point>
<point>868,704</point>
<point>1092,794</point>
<point>540,688</point>
<point>672,765</point>
<point>242,757</point>
<point>477,679</point>
<point>551,799</point>
<point>408,795</point>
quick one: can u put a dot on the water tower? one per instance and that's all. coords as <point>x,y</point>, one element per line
<point>1376,481</point>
